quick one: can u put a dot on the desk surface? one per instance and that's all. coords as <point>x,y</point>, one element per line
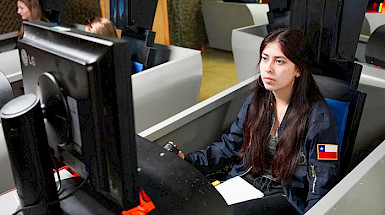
<point>174,186</point>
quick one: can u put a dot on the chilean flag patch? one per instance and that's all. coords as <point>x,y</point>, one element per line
<point>327,152</point>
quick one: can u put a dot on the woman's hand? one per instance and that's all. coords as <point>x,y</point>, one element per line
<point>181,155</point>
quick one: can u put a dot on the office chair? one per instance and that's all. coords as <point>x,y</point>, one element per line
<point>347,106</point>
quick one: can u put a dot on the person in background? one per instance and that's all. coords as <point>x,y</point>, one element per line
<point>280,133</point>
<point>102,26</point>
<point>29,10</point>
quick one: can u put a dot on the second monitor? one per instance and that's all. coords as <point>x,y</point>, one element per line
<point>84,84</point>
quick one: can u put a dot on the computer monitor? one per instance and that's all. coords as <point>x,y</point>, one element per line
<point>133,17</point>
<point>54,10</point>
<point>84,84</point>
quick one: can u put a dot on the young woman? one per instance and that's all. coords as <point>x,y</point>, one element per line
<point>29,10</point>
<point>101,26</point>
<point>278,133</point>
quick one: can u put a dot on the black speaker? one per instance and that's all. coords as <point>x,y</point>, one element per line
<point>29,153</point>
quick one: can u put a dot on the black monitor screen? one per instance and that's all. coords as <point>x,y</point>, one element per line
<point>84,84</point>
<point>54,10</point>
<point>133,17</point>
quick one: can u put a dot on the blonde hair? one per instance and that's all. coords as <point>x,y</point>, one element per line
<point>36,13</point>
<point>102,26</point>
<point>35,8</point>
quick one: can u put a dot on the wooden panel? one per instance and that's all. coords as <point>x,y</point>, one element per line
<point>161,26</point>
<point>105,8</point>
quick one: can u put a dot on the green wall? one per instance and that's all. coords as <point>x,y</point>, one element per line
<point>186,23</point>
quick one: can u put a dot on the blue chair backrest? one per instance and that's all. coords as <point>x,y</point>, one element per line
<point>137,67</point>
<point>340,111</point>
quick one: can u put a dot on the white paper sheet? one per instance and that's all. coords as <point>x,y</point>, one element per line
<point>237,190</point>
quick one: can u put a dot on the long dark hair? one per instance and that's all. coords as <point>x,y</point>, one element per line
<point>305,92</point>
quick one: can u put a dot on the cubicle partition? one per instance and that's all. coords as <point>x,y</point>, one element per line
<point>220,18</point>
<point>8,41</point>
<point>159,92</point>
<point>168,88</point>
<point>246,49</point>
<point>373,21</point>
<point>203,123</point>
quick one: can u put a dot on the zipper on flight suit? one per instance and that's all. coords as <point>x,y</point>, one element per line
<point>314,175</point>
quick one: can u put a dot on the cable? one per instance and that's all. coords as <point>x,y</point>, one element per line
<point>54,202</point>
<point>57,173</point>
